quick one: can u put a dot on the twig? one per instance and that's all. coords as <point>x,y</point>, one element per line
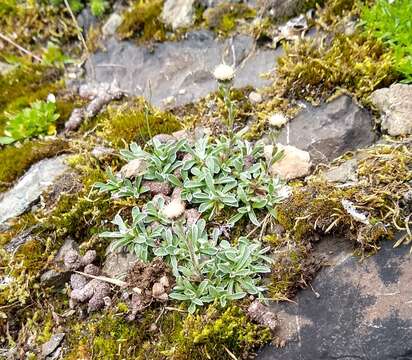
<point>104,278</point>
<point>230,353</point>
<point>79,30</point>
<point>5,38</point>
<point>174,309</point>
<point>81,37</point>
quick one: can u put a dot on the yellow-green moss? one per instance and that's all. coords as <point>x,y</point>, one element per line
<point>15,160</point>
<point>384,176</point>
<point>208,335</point>
<point>143,21</point>
<point>168,334</point>
<point>224,17</point>
<point>127,123</point>
<point>315,71</point>
<point>33,24</point>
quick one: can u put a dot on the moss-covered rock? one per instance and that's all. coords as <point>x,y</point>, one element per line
<point>143,21</point>
<point>16,159</point>
<point>135,121</point>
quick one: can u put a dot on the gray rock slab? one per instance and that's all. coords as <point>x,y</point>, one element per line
<point>329,130</point>
<point>177,73</point>
<point>49,347</point>
<point>356,310</point>
<point>117,265</point>
<point>28,189</point>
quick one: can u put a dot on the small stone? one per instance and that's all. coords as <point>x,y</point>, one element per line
<point>262,315</point>
<point>395,105</point>
<point>101,152</point>
<point>294,164</point>
<point>277,120</point>
<point>164,281</point>
<point>88,257</point>
<point>164,138</point>
<point>92,270</point>
<point>72,260</point>
<point>255,97</point>
<point>134,168</point>
<point>111,25</point>
<point>78,281</point>
<point>157,290</point>
<point>29,187</point>
<point>50,346</point>
<point>158,187</point>
<point>178,13</point>
<point>329,130</point>
<point>59,276</point>
<point>344,172</point>
<point>118,264</point>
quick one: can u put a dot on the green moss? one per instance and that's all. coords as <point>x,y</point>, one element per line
<point>208,335</point>
<point>127,123</point>
<point>294,269</point>
<point>143,21</point>
<point>224,17</point>
<point>384,178</point>
<point>15,160</point>
<point>354,63</point>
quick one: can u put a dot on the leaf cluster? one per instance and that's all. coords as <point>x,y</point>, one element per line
<point>35,120</point>
<point>211,175</point>
<point>390,21</point>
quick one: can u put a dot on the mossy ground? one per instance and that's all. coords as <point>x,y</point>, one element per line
<point>354,63</point>
<point>134,121</point>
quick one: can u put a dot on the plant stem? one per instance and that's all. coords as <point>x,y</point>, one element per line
<point>10,41</point>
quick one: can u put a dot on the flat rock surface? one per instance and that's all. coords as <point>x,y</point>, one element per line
<point>28,189</point>
<point>363,309</point>
<point>329,130</point>
<point>177,73</point>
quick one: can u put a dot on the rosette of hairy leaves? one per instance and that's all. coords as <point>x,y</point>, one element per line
<point>229,274</point>
<point>120,187</point>
<point>136,237</point>
<point>161,160</point>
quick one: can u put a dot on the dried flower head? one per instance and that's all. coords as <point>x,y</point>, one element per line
<point>278,120</point>
<point>223,72</point>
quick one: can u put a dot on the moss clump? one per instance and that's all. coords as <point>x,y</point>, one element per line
<point>316,71</point>
<point>26,21</point>
<point>224,17</point>
<point>384,180</point>
<point>143,21</point>
<point>15,160</point>
<point>210,335</point>
<point>292,270</point>
<point>135,121</point>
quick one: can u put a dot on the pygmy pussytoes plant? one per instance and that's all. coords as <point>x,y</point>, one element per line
<point>211,178</point>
